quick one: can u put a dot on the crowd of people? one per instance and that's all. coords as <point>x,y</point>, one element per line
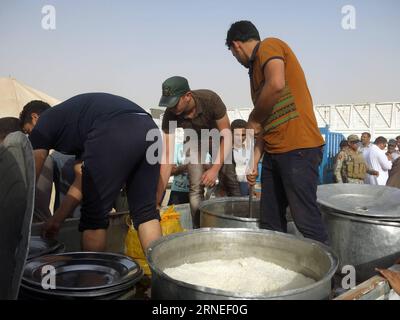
<point>362,162</point>
<point>107,137</point>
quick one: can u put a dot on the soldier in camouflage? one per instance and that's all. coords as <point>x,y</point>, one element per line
<point>344,146</point>
<point>350,164</point>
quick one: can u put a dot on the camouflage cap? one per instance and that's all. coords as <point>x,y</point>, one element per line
<point>353,138</point>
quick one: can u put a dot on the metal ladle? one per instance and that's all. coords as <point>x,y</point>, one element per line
<point>251,191</point>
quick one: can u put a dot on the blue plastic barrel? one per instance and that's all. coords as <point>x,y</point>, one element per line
<point>331,149</point>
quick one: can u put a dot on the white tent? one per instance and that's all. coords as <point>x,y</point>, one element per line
<point>14,95</point>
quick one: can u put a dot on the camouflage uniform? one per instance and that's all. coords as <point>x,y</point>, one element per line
<point>350,167</point>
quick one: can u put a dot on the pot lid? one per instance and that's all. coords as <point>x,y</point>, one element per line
<point>83,271</point>
<point>379,202</point>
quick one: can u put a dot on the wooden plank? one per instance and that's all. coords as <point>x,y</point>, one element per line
<point>373,289</point>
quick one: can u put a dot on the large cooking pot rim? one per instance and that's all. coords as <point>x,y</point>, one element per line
<point>203,208</point>
<point>349,216</point>
<point>334,261</point>
<point>326,191</point>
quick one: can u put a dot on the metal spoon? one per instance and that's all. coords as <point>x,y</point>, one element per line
<point>251,191</point>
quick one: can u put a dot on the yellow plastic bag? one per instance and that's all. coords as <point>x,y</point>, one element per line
<point>170,223</point>
<point>133,248</point>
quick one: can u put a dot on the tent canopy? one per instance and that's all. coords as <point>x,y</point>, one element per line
<point>15,95</point>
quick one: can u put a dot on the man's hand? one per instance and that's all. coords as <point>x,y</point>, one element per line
<point>51,228</point>
<point>392,277</point>
<point>375,173</point>
<point>251,178</point>
<point>174,170</point>
<point>209,177</point>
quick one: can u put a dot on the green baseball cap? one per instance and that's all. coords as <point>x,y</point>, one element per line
<point>172,90</point>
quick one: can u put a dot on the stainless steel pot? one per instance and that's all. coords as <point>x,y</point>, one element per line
<point>363,243</point>
<point>304,256</point>
<point>233,212</point>
<point>363,225</point>
<point>229,213</point>
<point>70,236</point>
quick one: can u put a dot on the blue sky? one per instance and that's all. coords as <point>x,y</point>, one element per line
<point>130,47</point>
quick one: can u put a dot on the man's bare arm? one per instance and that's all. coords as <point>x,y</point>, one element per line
<point>68,205</point>
<point>166,165</point>
<point>274,74</point>
<point>40,156</point>
<point>73,197</point>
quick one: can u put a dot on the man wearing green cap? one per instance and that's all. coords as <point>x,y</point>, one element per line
<point>196,111</point>
<point>350,165</point>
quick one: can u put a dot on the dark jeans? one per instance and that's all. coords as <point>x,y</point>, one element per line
<point>291,178</point>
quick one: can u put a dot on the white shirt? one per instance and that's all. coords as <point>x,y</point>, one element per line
<point>242,159</point>
<point>365,150</point>
<point>395,155</point>
<point>377,160</point>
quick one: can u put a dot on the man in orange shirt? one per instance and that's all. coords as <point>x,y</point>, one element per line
<point>283,116</point>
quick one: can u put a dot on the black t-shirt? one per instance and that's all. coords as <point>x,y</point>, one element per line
<point>65,127</point>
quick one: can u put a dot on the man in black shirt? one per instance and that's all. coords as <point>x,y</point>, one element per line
<point>107,134</point>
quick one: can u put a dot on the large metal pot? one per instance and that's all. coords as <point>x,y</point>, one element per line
<point>363,243</point>
<point>71,237</point>
<point>233,212</point>
<point>363,225</point>
<point>304,256</point>
<point>230,212</point>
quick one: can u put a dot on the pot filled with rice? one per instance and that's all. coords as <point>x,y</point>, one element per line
<point>240,264</point>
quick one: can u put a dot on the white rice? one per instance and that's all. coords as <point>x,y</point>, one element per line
<point>246,275</point>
